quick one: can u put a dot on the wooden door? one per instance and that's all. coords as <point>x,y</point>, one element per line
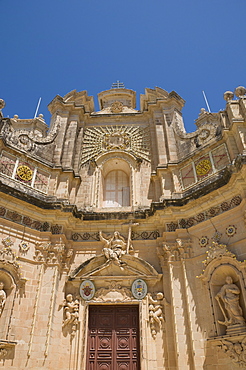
<point>113,338</point>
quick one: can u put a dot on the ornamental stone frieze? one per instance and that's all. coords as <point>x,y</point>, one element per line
<point>53,254</point>
<point>203,216</point>
<point>175,251</point>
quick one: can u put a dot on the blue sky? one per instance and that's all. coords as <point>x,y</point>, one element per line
<point>52,47</point>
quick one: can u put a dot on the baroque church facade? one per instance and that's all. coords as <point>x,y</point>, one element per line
<point>122,239</point>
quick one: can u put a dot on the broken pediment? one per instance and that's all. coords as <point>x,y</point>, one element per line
<point>100,269</point>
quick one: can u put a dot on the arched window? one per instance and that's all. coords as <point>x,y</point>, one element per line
<point>116,189</point>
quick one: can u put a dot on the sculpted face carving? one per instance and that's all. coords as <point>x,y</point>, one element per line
<point>228,300</point>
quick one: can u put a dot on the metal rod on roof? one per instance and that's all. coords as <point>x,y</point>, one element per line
<point>36,112</point>
<point>206,101</point>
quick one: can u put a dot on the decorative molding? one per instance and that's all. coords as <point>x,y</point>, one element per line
<point>28,141</point>
<point>217,251</point>
<point>53,254</point>
<point>113,293</point>
<point>235,350</point>
<point>177,251</point>
<point>24,220</point>
<point>203,216</point>
<point>144,235</point>
<point>203,241</point>
<point>6,348</point>
<point>100,140</point>
<point>231,230</point>
<point>24,247</point>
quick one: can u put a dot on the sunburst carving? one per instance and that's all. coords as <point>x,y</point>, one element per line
<point>99,140</point>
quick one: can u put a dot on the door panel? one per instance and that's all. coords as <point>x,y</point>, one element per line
<point>113,338</point>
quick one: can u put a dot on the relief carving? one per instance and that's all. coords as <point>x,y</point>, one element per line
<point>115,247</point>
<point>99,140</point>
<point>217,250</point>
<point>115,292</point>
<point>71,313</point>
<point>53,254</point>
<point>235,351</point>
<point>156,318</point>
<point>177,251</point>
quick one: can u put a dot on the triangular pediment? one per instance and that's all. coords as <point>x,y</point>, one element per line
<point>98,268</point>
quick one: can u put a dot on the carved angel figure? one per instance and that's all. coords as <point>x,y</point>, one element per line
<point>155,312</point>
<point>236,351</point>
<point>229,295</point>
<point>114,247</point>
<point>2,297</point>
<point>71,309</point>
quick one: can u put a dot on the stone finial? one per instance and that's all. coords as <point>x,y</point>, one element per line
<point>202,112</point>
<point>240,91</point>
<point>228,95</point>
<point>2,104</point>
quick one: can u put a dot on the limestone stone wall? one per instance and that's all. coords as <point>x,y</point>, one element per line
<point>182,231</point>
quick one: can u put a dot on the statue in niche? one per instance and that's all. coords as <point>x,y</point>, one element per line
<point>2,297</point>
<point>156,318</point>
<point>229,295</point>
<point>71,310</point>
<point>114,248</point>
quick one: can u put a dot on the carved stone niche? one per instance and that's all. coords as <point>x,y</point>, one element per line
<point>7,292</point>
<point>224,277</point>
<point>10,282</point>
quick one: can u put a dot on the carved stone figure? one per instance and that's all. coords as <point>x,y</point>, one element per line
<point>114,247</point>
<point>229,295</point>
<point>71,311</point>
<point>236,351</point>
<point>2,297</point>
<point>155,312</point>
